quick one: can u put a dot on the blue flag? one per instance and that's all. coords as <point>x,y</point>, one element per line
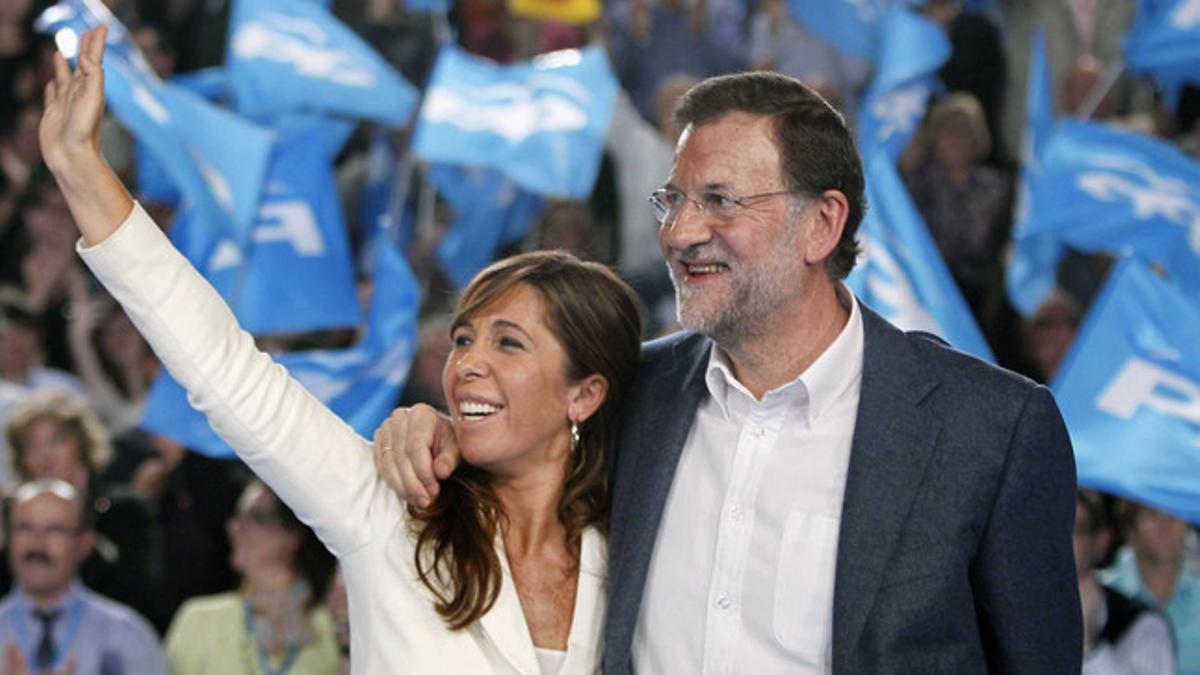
<point>1104,189</point>
<point>1165,41</point>
<point>489,212</point>
<point>286,56</point>
<point>541,122</point>
<point>1031,274</point>
<point>384,205</point>
<point>296,275</point>
<point>852,26</point>
<point>360,384</point>
<point>1129,391</point>
<point>208,83</point>
<point>913,50</point>
<point>901,273</point>
<point>215,158</point>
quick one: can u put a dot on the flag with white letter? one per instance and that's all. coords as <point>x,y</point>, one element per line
<point>216,158</point>
<point>295,274</point>
<point>1165,41</point>
<point>285,56</point>
<point>912,51</point>
<point>360,384</point>
<point>541,122</point>
<point>1105,189</point>
<point>1129,391</point>
<point>901,274</point>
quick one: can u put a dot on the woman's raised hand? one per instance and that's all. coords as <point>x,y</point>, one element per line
<point>70,125</point>
<point>70,139</point>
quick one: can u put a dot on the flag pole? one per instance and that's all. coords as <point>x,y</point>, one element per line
<point>1100,89</point>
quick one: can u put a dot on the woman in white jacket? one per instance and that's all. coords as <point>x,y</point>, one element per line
<point>505,571</point>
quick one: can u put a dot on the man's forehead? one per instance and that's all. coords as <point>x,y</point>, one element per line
<point>47,507</point>
<point>725,153</point>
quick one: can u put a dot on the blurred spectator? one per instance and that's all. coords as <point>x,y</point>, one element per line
<point>651,39</point>
<point>53,434</point>
<point>1074,28</point>
<point>424,383</point>
<point>568,225</point>
<point>976,64</point>
<point>779,43</point>
<point>1049,333</point>
<point>16,48</point>
<point>1150,568</point>
<point>115,364</point>
<point>963,201</point>
<point>22,369</point>
<point>642,153</point>
<point>20,155</point>
<point>40,260</point>
<point>275,622</point>
<point>1122,636</point>
<point>51,622</point>
<point>186,499</point>
<point>338,604</point>
<point>22,359</point>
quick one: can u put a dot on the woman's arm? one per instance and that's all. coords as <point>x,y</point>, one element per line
<point>70,138</point>
<point>310,458</point>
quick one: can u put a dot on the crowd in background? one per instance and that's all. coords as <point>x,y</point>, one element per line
<point>172,524</point>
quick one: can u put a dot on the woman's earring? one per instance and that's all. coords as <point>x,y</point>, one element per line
<point>574,436</point>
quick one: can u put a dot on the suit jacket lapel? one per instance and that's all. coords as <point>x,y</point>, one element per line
<point>892,445</point>
<point>652,443</point>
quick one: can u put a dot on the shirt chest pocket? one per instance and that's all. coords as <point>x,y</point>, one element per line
<point>803,608</point>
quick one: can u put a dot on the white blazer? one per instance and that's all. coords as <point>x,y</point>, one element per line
<point>325,472</point>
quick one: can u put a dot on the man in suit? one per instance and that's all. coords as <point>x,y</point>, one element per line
<point>798,485</point>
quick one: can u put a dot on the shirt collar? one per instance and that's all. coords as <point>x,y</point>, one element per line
<point>835,370</point>
<point>26,603</point>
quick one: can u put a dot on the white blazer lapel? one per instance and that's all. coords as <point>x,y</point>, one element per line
<point>504,625</point>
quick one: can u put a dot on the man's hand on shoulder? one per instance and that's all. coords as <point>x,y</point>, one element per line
<point>415,449</point>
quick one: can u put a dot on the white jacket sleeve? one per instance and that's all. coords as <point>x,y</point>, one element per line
<point>314,461</point>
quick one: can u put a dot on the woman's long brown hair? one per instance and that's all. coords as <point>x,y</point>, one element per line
<point>596,318</point>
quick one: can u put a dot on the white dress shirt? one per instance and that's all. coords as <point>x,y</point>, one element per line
<point>325,472</point>
<point>741,578</point>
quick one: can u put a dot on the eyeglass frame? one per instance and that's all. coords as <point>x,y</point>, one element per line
<point>658,204</point>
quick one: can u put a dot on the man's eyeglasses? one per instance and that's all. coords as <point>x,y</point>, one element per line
<point>667,203</point>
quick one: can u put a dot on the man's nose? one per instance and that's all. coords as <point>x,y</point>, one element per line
<point>688,226</point>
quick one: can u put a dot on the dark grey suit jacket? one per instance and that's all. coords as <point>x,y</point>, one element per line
<point>954,554</point>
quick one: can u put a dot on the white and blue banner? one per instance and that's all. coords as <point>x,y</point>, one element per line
<point>541,122</point>
<point>295,274</point>
<point>901,274</point>
<point>912,51</point>
<point>852,26</point>
<point>217,159</point>
<point>1165,42</point>
<point>1129,391</point>
<point>360,384</point>
<point>285,56</point>
<point>489,212</point>
<point>1031,273</point>
<point>1104,189</point>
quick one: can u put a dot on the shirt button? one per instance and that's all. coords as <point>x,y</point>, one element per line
<point>736,513</point>
<point>723,602</point>
<point>759,432</point>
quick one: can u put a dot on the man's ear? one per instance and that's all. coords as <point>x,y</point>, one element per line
<point>827,219</point>
<point>586,396</point>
